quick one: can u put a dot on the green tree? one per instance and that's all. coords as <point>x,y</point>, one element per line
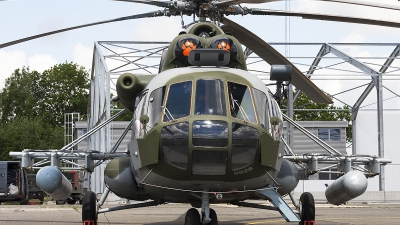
<point>20,95</point>
<point>326,113</point>
<point>66,90</point>
<point>32,106</point>
<point>28,133</point>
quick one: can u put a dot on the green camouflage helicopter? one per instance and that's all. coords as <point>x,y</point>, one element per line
<point>205,129</point>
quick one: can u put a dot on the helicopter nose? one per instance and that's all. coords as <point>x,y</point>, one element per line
<point>214,145</point>
<point>210,133</point>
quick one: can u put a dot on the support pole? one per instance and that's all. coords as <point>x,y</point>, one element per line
<point>380,132</point>
<point>289,112</point>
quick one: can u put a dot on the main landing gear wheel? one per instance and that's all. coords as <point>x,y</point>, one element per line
<point>192,217</point>
<point>213,216</point>
<point>71,201</point>
<point>89,213</point>
<point>61,202</point>
<point>307,209</point>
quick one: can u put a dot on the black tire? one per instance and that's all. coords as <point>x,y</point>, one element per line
<point>60,202</point>
<point>192,217</point>
<point>71,201</point>
<point>213,216</point>
<point>24,202</point>
<point>89,210</point>
<point>307,207</point>
<point>41,200</point>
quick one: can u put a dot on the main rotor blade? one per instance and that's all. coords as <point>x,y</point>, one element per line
<point>314,16</point>
<point>382,6</point>
<point>138,16</point>
<point>272,56</point>
<point>151,2</point>
<point>237,2</point>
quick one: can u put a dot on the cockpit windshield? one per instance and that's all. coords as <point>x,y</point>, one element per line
<point>240,102</point>
<point>179,101</point>
<point>210,98</point>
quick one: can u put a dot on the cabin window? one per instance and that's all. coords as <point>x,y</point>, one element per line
<point>261,101</point>
<point>178,101</point>
<point>240,102</point>
<point>244,145</point>
<point>174,144</point>
<point>155,104</point>
<point>84,131</point>
<point>210,98</point>
<point>329,134</point>
<point>208,133</point>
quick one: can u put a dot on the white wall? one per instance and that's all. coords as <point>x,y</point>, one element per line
<point>367,143</point>
<point>367,134</point>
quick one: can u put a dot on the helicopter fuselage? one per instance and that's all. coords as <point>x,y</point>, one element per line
<point>207,129</point>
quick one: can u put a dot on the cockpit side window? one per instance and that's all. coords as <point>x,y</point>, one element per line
<point>240,102</point>
<point>276,119</point>
<point>210,98</point>
<point>141,109</point>
<point>155,104</point>
<point>178,101</point>
<point>262,107</point>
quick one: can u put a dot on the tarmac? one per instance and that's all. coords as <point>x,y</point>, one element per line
<point>174,214</point>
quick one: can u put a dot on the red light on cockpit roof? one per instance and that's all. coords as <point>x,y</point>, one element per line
<point>223,45</point>
<point>187,47</point>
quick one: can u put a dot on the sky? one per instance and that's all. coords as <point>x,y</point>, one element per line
<point>22,18</point>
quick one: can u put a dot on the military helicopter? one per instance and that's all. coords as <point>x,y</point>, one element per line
<point>205,130</point>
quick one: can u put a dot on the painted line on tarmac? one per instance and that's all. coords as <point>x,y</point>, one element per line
<point>266,221</point>
<point>282,220</point>
<point>357,218</point>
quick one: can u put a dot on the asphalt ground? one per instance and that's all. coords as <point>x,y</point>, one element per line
<point>174,214</point>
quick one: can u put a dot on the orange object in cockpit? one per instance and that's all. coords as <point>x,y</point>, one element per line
<point>187,47</point>
<point>223,45</point>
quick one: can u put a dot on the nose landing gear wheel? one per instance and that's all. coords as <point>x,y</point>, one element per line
<point>307,209</point>
<point>89,212</point>
<point>192,217</point>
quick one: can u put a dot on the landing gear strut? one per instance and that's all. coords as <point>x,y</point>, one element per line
<point>208,215</point>
<point>307,209</point>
